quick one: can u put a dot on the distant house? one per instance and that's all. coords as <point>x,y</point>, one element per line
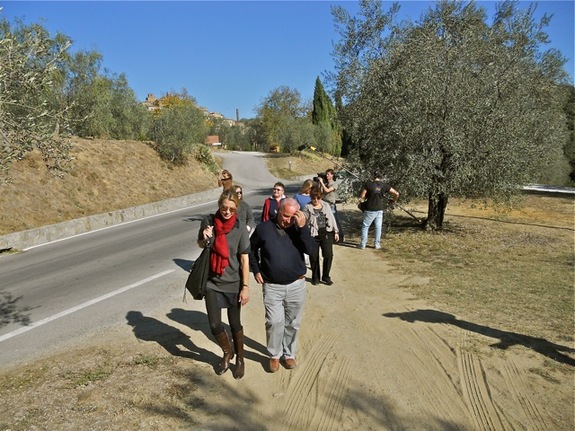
<point>213,141</point>
<point>151,103</point>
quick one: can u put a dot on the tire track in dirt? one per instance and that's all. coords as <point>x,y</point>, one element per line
<point>476,390</point>
<point>314,394</point>
<point>428,358</point>
<point>426,362</point>
<point>334,397</point>
<point>515,381</point>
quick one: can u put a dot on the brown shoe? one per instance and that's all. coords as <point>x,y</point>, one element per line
<point>274,365</point>
<point>290,363</point>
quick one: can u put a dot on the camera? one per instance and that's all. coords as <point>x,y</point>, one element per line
<point>320,175</point>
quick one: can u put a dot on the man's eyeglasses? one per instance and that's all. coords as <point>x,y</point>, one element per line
<point>230,209</point>
<point>278,190</point>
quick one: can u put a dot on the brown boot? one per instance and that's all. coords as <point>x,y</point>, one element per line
<point>224,343</point>
<point>239,347</point>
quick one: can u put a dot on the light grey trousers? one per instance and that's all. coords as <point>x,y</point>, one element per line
<point>284,309</point>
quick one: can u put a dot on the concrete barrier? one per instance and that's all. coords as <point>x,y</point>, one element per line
<point>33,237</point>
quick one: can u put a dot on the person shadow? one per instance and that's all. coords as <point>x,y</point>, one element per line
<point>174,341</point>
<point>199,321</point>
<point>184,264</point>
<point>554,351</point>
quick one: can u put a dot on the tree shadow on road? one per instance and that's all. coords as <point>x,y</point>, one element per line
<point>557,352</point>
<point>10,312</point>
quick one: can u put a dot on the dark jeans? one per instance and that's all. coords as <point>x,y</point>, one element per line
<point>340,230</point>
<point>325,243</point>
<point>215,314</point>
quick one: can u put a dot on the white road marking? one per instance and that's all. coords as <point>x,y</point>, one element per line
<point>82,306</point>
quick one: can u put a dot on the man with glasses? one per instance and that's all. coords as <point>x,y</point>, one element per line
<point>277,262</point>
<point>271,204</point>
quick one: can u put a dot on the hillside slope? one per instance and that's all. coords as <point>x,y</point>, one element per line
<point>106,176</point>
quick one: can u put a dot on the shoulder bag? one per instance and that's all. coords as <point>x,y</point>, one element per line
<point>198,278</point>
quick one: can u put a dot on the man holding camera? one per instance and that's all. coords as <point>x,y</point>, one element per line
<point>328,185</point>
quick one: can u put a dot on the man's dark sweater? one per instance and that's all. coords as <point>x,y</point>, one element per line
<point>278,253</point>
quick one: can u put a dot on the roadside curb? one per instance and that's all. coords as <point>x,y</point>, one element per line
<point>33,237</point>
<point>44,234</point>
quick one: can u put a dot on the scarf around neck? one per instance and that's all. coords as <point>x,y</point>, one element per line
<point>219,257</point>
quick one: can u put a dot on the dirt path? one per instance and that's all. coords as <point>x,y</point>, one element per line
<point>372,357</point>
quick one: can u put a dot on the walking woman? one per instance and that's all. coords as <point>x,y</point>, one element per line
<point>244,211</point>
<point>302,197</point>
<point>229,276</point>
<point>323,227</point>
<point>329,191</point>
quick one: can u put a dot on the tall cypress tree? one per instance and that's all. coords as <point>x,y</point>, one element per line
<point>322,106</point>
<point>324,113</point>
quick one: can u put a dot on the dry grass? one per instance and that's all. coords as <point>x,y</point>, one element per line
<point>292,166</point>
<point>106,176</point>
<point>513,268</point>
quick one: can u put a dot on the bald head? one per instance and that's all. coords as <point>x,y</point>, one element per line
<point>287,210</point>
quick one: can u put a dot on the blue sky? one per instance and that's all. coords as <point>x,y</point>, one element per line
<point>228,54</point>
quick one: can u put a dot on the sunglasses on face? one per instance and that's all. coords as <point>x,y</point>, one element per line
<point>230,209</point>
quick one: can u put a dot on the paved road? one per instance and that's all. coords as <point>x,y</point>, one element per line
<point>84,284</point>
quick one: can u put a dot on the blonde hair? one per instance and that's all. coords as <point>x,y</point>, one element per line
<point>306,186</point>
<point>229,195</point>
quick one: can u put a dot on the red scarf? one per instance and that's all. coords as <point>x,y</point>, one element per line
<point>219,256</point>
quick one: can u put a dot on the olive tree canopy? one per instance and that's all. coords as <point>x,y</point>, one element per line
<point>29,117</point>
<point>453,105</point>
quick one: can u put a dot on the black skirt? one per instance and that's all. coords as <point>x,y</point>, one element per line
<point>226,299</point>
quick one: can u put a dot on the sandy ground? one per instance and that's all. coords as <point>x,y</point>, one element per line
<point>371,357</point>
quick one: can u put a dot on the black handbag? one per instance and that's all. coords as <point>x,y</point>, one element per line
<point>198,278</point>
<point>362,206</point>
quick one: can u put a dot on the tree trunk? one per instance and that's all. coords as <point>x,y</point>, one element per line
<point>436,211</point>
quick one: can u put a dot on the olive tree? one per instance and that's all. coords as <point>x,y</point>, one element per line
<point>452,105</point>
<point>278,112</point>
<point>101,104</point>
<point>30,117</point>
<point>177,127</point>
